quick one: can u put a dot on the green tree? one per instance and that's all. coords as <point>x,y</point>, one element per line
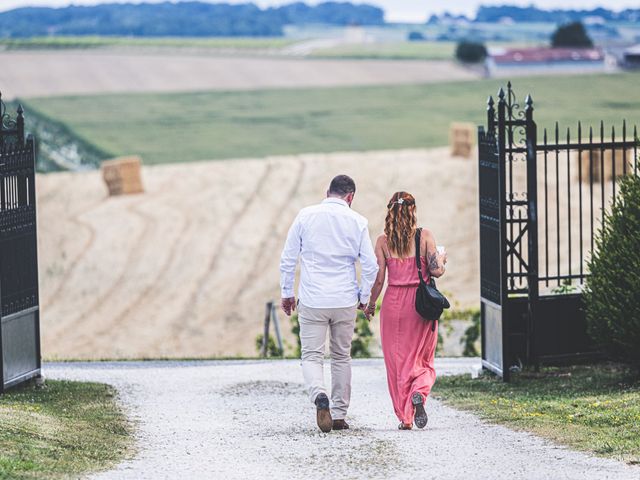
<point>612,293</point>
<point>571,35</point>
<point>471,52</point>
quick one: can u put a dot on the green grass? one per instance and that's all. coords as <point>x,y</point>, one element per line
<point>184,127</point>
<point>590,408</point>
<point>430,50</point>
<point>395,51</point>
<point>60,430</point>
<point>73,42</point>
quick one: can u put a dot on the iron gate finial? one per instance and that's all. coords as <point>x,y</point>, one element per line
<point>491,114</point>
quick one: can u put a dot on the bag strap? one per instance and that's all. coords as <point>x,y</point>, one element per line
<point>418,263</point>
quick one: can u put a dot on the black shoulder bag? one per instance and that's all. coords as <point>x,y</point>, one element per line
<point>429,301</point>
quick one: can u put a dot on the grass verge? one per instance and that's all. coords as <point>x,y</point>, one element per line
<point>184,127</point>
<point>594,408</point>
<point>391,50</point>
<point>60,430</point>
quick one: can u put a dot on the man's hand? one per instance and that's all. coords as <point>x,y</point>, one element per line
<point>370,311</point>
<point>288,305</point>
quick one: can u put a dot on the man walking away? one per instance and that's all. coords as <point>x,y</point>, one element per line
<point>329,238</point>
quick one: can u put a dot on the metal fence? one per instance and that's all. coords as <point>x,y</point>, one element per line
<point>543,197</point>
<point>19,305</point>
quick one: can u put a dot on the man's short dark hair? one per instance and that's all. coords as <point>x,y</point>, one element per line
<point>342,185</point>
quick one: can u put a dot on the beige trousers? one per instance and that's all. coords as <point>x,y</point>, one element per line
<point>314,323</point>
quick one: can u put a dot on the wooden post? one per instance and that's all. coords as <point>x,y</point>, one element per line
<point>265,337</point>
<point>276,326</point>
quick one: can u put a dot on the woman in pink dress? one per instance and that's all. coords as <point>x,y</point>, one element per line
<point>408,341</point>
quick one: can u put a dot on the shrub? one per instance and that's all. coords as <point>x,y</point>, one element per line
<point>571,35</point>
<point>472,335</point>
<point>295,329</point>
<point>612,292</point>
<point>362,338</point>
<point>471,52</point>
<point>415,37</point>
<point>272,347</point>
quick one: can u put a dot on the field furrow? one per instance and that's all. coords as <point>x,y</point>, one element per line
<point>184,270</point>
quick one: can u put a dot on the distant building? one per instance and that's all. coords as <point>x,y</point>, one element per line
<point>528,61</point>
<point>631,57</point>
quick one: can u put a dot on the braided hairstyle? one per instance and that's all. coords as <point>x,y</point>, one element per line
<point>400,224</point>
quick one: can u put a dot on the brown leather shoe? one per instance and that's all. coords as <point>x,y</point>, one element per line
<point>323,415</point>
<point>340,425</point>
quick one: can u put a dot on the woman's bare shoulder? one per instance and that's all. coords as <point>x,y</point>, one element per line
<point>427,235</point>
<point>382,238</point>
<point>425,239</point>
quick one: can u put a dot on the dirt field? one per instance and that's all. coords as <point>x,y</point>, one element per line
<point>84,72</point>
<point>186,268</point>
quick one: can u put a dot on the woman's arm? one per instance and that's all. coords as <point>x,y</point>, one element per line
<point>435,260</point>
<point>379,281</point>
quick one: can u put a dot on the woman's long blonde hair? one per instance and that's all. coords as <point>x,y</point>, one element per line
<point>400,224</point>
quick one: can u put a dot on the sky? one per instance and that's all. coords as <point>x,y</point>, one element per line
<point>396,10</point>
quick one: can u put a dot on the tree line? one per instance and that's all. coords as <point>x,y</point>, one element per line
<point>193,19</point>
<point>491,14</point>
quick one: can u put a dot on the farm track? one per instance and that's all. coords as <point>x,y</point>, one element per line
<point>265,254</point>
<point>270,235</point>
<point>103,298</point>
<point>110,297</point>
<point>76,221</point>
<point>124,315</point>
<point>219,248</point>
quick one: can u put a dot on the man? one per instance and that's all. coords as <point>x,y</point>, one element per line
<point>329,238</point>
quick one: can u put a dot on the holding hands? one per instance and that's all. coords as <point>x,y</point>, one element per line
<point>368,310</point>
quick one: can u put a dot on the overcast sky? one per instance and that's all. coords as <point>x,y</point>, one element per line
<point>396,10</point>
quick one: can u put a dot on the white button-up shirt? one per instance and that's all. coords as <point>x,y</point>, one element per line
<point>329,238</point>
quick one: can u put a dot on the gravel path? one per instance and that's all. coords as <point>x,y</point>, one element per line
<point>250,419</point>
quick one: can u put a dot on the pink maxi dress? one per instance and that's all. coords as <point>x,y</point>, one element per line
<point>408,341</point>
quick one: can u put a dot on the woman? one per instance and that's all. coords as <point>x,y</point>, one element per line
<point>408,341</point>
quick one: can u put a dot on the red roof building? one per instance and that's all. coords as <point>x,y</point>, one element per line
<point>502,62</point>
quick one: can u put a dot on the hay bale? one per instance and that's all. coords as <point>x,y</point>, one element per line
<point>603,164</point>
<point>462,138</point>
<point>122,175</point>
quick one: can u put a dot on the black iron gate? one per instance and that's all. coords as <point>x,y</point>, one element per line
<point>541,200</point>
<point>19,307</point>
